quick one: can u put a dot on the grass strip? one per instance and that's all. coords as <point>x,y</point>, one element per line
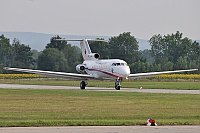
<point>75,107</point>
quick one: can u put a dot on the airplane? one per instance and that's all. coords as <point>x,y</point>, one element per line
<point>95,68</point>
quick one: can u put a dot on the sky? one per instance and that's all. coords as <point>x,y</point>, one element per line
<point>143,18</point>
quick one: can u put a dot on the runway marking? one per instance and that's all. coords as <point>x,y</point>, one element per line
<point>17,86</point>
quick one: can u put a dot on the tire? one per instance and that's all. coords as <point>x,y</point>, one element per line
<point>117,87</point>
<point>153,124</point>
<point>82,85</point>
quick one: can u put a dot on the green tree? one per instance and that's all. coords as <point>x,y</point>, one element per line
<point>168,66</point>
<point>194,56</point>
<point>72,54</point>
<point>146,54</point>
<point>181,63</point>
<point>103,48</point>
<point>52,59</point>
<point>5,52</point>
<point>157,49</point>
<point>58,44</point>
<point>35,57</point>
<point>175,49</point>
<point>125,47</point>
<point>22,55</point>
<point>139,67</point>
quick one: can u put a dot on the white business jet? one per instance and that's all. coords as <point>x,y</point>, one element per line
<point>95,68</point>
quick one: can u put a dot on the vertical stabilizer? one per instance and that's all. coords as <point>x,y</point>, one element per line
<point>85,49</point>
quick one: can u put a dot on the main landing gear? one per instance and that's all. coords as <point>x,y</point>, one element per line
<point>83,84</point>
<point>117,84</point>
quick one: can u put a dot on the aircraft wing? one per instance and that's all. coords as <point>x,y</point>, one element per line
<point>149,74</point>
<point>52,73</point>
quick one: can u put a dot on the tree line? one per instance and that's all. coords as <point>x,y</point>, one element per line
<point>15,54</point>
<point>168,52</point>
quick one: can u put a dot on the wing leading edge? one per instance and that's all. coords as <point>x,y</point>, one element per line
<point>52,74</point>
<point>86,76</point>
<point>140,75</point>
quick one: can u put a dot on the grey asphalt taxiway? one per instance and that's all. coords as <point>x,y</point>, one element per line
<point>17,86</point>
<point>103,129</point>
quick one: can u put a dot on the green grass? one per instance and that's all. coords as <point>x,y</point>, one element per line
<point>183,85</point>
<point>81,107</point>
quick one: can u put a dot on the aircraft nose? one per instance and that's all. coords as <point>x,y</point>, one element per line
<point>126,71</point>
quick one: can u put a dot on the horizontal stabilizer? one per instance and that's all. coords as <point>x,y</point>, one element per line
<point>98,40</point>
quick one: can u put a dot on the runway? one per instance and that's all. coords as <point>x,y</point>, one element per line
<point>17,86</point>
<point>103,129</point>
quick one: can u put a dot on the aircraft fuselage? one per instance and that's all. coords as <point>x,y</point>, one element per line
<point>110,68</point>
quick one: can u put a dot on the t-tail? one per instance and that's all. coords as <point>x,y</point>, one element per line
<point>85,48</point>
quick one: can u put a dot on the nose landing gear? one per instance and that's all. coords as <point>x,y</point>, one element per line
<point>117,84</point>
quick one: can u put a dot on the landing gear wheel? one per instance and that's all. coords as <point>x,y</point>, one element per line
<point>82,85</point>
<point>117,85</point>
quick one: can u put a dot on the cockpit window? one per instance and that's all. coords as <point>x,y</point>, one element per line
<point>124,64</point>
<point>119,64</point>
<point>114,64</point>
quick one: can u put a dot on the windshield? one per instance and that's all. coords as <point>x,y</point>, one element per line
<point>119,64</point>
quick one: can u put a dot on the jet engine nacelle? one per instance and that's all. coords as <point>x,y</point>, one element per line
<point>94,56</point>
<point>80,68</point>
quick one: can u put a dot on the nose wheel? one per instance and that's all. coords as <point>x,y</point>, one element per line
<point>117,84</point>
<point>83,84</point>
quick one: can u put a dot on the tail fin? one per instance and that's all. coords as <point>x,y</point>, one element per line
<point>85,48</point>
